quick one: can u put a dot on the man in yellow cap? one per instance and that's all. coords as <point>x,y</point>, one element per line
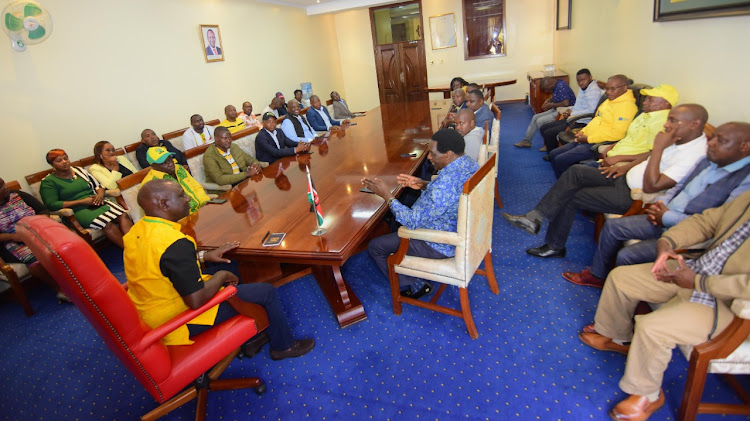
<point>163,166</point>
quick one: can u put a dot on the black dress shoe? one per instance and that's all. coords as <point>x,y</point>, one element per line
<point>521,221</point>
<point>255,344</point>
<point>426,289</point>
<point>546,251</point>
<point>299,347</point>
<point>545,157</point>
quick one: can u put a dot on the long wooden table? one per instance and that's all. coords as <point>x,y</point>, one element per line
<point>276,201</point>
<point>489,84</point>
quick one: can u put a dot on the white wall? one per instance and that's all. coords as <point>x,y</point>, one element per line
<point>705,59</point>
<point>112,68</point>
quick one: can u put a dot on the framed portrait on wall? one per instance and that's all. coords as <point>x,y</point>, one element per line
<point>668,10</point>
<point>211,40</point>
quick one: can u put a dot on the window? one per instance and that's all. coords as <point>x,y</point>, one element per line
<point>397,24</point>
<point>484,28</point>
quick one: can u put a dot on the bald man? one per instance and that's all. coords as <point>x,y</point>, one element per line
<point>231,122</point>
<point>165,278</point>
<point>472,134</point>
<point>607,189</point>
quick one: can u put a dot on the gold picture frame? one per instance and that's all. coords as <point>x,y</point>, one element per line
<point>443,31</point>
<point>213,49</point>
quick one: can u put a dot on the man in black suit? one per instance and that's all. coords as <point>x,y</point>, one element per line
<point>272,144</point>
<point>149,139</point>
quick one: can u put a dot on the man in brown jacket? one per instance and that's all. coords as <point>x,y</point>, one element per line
<point>695,295</point>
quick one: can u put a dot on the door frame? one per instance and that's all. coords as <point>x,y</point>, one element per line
<point>375,45</point>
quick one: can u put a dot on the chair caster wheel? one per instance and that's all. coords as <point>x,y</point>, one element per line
<point>260,389</point>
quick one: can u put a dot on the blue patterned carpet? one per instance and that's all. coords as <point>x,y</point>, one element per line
<point>526,364</point>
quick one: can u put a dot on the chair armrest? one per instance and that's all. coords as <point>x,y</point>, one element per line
<point>55,218</point>
<point>214,186</point>
<point>572,120</point>
<point>741,308</point>
<point>112,193</point>
<point>63,212</point>
<point>158,333</point>
<point>434,236</point>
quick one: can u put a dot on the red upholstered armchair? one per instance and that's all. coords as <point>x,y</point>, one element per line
<point>163,371</point>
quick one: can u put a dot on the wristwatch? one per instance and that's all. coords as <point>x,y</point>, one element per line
<point>391,201</point>
<point>200,256</point>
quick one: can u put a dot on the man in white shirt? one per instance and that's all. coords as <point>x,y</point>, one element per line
<point>273,107</point>
<point>197,134</point>
<point>607,189</point>
<point>473,135</point>
<point>295,126</point>
<point>586,102</point>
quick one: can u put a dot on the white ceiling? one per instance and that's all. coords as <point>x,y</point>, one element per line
<point>319,7</point>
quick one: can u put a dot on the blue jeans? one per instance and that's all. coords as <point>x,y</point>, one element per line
<point>537,121</point>
<point>615,233</point>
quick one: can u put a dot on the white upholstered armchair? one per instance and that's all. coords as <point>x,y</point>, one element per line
<point>473,240</point>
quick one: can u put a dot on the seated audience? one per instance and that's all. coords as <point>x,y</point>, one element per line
<point>482,113</point>
<point>14,206</point>
<point>298,96</point>
<point>248,117</point>
<point>197,134</point>
<point>586,103</point>
<point>75,188</point>
<point>340,109</point>
<point>717,179</point>
<point>318,117</point>
<point>282,104</point>
<point>149,139</point>
<point>458,83</point>
<point>273,107</point>
<point>108,167</point>
<point>165,277</point>
<point>295,126</point>
<point>459,103</point>
<point>607,189</point>
<point>164,167</point>
<point>696,294</point>
<point>225,163</point>
<point>562,96</point>
<point>473,135</point>
<point>272,144</point>
<point>232,123</point>
<point>610,124</point>
<point>436,208</point>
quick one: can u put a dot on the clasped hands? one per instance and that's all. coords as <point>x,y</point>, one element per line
<point>379,187</point>
<point>682,276</point>
<point>254,169</point>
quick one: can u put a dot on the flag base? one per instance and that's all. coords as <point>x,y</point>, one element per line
<point>318,232</point>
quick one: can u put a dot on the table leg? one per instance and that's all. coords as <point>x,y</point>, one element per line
<point>344,303</point>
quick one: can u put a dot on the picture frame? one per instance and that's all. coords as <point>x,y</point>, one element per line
<point>443,31</point>
<point>670,10</point>
<point>563,15</point>
<point>213,49</point>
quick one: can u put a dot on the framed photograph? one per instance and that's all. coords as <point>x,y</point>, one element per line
<point>669,10</point>
<point>563,14</point>
<point>443,31</point>
<point>211,40</point>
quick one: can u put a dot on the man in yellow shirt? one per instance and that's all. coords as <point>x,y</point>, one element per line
<point>610,124</point>
<point>162,167</point>
<point>231,122</point>
<point>165,278</point>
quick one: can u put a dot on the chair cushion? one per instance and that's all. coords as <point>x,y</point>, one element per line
<point>247,144</point>
<point>22,271</point>
<point>440,270</point>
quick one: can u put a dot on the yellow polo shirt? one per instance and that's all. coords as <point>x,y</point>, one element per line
<point>235,126</point>
<point>641,134</point>
<point>198,196</point>
<point>154,294</point>
<point>612,119</point>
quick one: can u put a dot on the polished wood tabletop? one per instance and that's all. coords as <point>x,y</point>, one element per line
<point>276,201</point>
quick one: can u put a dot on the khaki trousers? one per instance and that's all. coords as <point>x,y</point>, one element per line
<point>677,321</point>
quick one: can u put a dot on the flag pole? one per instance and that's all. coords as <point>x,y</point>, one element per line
<point>319,231</point>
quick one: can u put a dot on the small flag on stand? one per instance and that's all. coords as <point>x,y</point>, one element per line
<point>312,197</point>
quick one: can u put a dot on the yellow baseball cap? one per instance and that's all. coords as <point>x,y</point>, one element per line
<point>667,92</point>
<point>157,155</point>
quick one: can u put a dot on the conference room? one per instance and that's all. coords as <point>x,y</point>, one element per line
<point>92,78</point>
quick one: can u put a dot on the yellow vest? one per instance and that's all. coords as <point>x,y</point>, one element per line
<point>193,189</point>
<point>153,294</point>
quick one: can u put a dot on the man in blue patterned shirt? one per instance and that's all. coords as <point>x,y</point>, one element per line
<point>436,208</point>
<point>562,96</point>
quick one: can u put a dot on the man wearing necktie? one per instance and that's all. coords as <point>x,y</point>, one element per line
<point>212,49</point>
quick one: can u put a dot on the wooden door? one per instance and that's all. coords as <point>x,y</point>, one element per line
<point>399,53</point>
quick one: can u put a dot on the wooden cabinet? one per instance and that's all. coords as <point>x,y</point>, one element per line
<point>536,96</point>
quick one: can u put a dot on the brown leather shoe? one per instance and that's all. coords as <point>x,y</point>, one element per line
<point>602,343</point>
<point>636,408</point>
<point>584,278</point>
<point>299,347</point>
<point>255,344</point>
